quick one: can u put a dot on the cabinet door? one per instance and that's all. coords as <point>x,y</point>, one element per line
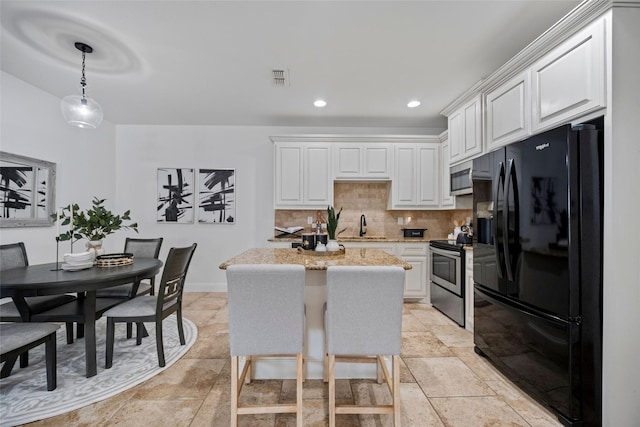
<point>472,138</point>
<point>429,175</point>
<point>455,137</point>
<point>288,175</point>
<point>468,295</point>
<point>509,112</point>
<point>377,161</point>
<point>405,178</point>
<point>446,199</point>
<point>318,185</point>
<point>570,80</point>
<point>415,282</point>
<point>348,161</point>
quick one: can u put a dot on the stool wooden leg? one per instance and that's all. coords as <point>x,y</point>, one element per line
<point>234,391</point>
<point>396,390</point>
<point>332,390</point>
<point>299,375</point>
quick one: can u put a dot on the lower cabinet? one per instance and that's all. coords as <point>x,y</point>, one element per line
<point>468,294</point>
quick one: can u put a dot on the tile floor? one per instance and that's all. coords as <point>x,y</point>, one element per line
<point>443,383</point>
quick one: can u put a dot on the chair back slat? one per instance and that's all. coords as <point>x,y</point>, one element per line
<point>174,275</point>
<point>13,255</point>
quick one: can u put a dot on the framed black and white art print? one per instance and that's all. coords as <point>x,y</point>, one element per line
<point>27,191</point>
<point>175,195</point>
<point>217,196</point>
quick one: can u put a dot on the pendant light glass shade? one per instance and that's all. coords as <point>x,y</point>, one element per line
<point>79,110</point>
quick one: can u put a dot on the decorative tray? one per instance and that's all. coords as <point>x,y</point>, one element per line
<point>323,253</point>
<point>114,260</point>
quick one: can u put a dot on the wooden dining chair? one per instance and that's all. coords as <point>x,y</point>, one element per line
<point>18,338</point>
<point>363,323</point>
<point>154,308</point>
<point>266,318</point>
<point>14,255</point>
<point>140,248</point>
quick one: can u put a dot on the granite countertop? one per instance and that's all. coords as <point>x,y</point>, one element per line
<point>366,239</point>
<point>316,261</point>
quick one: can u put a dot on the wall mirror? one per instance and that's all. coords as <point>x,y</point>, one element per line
<point>27,191</point>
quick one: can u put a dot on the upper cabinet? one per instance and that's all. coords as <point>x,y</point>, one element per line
<point>362,161</point>
<point>570,80</point>
<point>447,201</point>
<point>416,181</point>
<point>508,110</point>
<point>302,177</point>
<point>465,131</point>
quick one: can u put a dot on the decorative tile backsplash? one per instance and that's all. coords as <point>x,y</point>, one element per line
<point>371,199</point>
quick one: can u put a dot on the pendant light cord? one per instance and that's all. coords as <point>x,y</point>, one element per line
<point>83,80</point>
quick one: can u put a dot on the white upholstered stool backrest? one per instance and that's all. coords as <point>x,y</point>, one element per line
<point>266,309</point>
<point>364,310</point>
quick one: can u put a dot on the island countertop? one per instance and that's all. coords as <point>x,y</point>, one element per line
<point>313,261</point>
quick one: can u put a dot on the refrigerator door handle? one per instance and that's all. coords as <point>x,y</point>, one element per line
<point>494,227</point>
<point>511,185</point>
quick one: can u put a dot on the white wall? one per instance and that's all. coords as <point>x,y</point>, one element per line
<point>141,150</point>
<point>32,125</point>
<point>621,298</point>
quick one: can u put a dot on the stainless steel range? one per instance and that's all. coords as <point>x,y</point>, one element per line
<point>447,278</point>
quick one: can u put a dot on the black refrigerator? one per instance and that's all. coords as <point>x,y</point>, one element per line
<point>537,267</point>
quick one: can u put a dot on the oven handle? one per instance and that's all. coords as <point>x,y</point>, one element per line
<point>444,252</point>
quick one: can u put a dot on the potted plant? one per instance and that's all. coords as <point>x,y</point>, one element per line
<point>94,225</point>
<point>332,226</point>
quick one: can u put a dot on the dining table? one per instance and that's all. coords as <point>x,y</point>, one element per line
<point>49,279</point>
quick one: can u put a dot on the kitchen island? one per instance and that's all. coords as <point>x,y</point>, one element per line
<point>315,295</point>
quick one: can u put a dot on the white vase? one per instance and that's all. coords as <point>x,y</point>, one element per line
<point>333,245</point>
<point>95,247</point>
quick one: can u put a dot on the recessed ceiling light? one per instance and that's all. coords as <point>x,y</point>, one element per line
<point>319,103</point>
<point>413,104</point>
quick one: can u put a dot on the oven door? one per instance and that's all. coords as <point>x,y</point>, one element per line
<point>446,269</point>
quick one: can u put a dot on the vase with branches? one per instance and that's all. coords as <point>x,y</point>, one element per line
<point>94,225</point>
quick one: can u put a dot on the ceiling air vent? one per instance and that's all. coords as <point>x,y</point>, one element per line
<point>280,77</point>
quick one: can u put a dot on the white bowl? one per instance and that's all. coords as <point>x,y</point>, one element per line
<point>79,257</point>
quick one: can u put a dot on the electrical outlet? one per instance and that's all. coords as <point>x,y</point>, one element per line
<point>400,220</point>
<point>309,220</point>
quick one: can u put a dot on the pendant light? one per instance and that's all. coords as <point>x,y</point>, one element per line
<point>82,111</point>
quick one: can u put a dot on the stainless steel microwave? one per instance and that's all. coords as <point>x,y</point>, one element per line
<point>460,178</point>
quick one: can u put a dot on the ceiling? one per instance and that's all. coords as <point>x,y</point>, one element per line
<point>210,62</point>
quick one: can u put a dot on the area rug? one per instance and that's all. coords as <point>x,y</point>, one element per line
<point>24,397</point>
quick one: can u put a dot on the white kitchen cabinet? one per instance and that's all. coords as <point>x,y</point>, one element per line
<point>416,279</point>
<point>416,254</point>
<point>447,201</point>
<point>468,294</point>
<point>362,161</point>
<point>302,176</point>
<point>508,112</point>
<point>569,81</point>
<point>416,177</point>
<point>465,131</point>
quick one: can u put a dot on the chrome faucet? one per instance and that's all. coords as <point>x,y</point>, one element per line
<point>363,225</point>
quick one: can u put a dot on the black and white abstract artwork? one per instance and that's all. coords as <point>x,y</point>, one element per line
<point>217,196</point>
<point>27,191</point>
<point>175,195</point>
